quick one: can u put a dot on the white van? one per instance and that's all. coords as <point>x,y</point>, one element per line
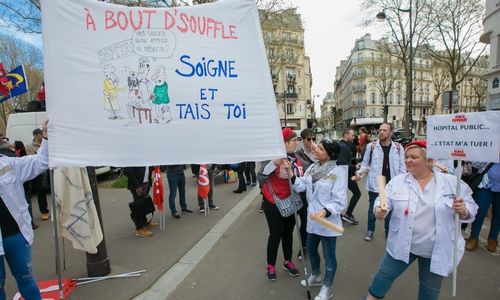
<point>20,127</point>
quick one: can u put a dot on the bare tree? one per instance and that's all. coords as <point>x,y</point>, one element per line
<point>440,78</point>
<point>397,20</point>
<point>385,70</point>
<point>23,15</point>
<point>479,85</point>
<point>457,26</point>
<point>14,52</point>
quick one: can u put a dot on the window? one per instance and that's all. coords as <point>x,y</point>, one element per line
<point>289,109</point>
<point>373,111</point>
<point>391,96</point>
<point>360,112</point>
<point>289,54</point>
<point>286,36</point>
<point>399,98</point>
<point>373,98</point>
<point>495,82</point>
<point>270,36</point>
<point>427,87</point>
<point>270,52</point>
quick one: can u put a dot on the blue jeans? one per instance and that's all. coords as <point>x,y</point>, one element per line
<point>328,243</point>
<point>176,181</point>
<point>371,216</point>
<point>390,269</point>
<point>485,198</point>
<point>18,256</point>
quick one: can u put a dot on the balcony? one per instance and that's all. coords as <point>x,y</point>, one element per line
<point>422,103</point>
<point>361,102</point>
<point>359,88</point>
<point>358,74</point>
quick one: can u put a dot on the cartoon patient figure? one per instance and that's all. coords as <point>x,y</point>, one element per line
<point>110,89</point>
<point>160,98</point>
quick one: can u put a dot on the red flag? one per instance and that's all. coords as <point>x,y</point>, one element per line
<point>49,289</point>
<point>4,91</point>
<point>41,93</point>
<point>158,188</point>
<point>203,182</point>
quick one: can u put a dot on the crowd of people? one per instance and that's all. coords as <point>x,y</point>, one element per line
<point>418,219</point>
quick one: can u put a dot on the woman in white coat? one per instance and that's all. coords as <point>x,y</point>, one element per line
<point>325,184</point>
<point>423,204</point>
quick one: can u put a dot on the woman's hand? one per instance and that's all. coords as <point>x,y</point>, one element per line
<point>460,208</point>
<point>45,126</point>
<point>380,214</point>
<point>319,214</point>
<point>279,161</point>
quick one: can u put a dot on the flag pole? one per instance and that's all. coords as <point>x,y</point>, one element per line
<point>456,225</point>
<point>297,228</point>
<point>56,234</point>
<point>26,80</point>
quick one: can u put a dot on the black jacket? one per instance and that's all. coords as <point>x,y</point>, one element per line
<point>345,157</point>
<point>135,176</point>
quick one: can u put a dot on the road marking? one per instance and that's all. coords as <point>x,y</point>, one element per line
<point>174,276</point>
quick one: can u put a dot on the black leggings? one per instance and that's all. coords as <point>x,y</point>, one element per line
<point>280,229</point>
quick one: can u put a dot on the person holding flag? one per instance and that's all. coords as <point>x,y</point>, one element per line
<point>423,203</point>
<point>4,91</point>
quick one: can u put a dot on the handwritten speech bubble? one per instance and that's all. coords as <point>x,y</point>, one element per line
<point>158,43</point>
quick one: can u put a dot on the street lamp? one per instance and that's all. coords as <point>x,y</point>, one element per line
<point>408,121</point>
<point>290,83</point>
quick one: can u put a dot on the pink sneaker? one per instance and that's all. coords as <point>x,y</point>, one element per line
<point>271,273</point>
<point>290,267</point>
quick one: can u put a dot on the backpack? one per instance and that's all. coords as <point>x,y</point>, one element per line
<point>374,144</point>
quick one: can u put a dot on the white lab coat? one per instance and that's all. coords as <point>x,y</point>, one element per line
<point>330,192</point>
<point>396,163</point>
<point>402,193</point>
<point>14,171</point>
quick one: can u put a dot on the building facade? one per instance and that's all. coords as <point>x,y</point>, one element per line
<point>328,111</point>
<point>370,82</point>
<point>491,36</point>
<point>290,68</point>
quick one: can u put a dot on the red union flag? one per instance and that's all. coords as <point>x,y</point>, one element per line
<point>158,188</point>
<point>203,182</point>
<point>4,91</point>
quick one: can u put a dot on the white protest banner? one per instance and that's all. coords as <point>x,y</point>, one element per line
<point>464,136</point>
<point>134,86</point>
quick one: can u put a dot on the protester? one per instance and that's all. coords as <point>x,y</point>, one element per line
<point>20,152</point>
<point>15,221</point>
<point>280,228</point>
<point>177,180</point>
<point>139,183</point>
<point>250,175</point>
<point>325,184</point>
<point>486,195</point>
<point>346,158</point>
<point>363,140</point>
<point>383,157</point>
<point>240,170</point>
<point>423,204</point>
<point>40,184</point>
<point>306,154</point>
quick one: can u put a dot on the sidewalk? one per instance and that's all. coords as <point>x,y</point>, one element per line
<point>127,252</point>
<point>235,267</point>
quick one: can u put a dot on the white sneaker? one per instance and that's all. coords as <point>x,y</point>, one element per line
<point>324,293</point>
<point>314,280</point>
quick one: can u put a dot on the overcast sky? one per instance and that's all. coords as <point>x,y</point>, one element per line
<point>331,27</point>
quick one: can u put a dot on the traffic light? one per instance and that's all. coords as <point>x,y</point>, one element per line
<point>385,109</point>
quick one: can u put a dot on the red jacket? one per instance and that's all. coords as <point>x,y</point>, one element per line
<point>280,186</point>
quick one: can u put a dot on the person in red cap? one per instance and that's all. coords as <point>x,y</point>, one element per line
<point>280,228</point>
<point>423,204</point>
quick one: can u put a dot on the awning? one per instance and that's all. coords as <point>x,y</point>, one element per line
<point>366,121</point>
<point>289,124</point>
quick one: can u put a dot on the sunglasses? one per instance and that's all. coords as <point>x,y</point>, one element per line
<point>311,139</point>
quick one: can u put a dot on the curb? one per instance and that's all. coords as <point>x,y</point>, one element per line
<point>174,276</point>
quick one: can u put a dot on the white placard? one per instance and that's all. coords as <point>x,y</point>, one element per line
<point>464,136</point>
<point>134,86</point>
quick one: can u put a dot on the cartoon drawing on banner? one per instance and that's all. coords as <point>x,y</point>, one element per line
<point>146,96</point>
<point>110,88</point>
<point>160,97</point>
